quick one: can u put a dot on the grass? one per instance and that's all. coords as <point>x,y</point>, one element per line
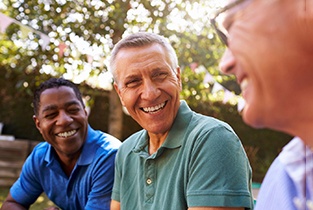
<point>41,203</point>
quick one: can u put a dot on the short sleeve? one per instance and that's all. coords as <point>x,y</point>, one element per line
<point>277,190</point>
<point>219,171</point>
<point>27,188</point>
<point>117,180</point>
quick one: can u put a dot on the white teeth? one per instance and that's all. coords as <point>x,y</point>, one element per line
<point>244,84</point>
<point>67,134</point>
<point>155,108</point>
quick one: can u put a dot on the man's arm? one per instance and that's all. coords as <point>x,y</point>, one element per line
<point>115,205</point>
<point>11,204</point>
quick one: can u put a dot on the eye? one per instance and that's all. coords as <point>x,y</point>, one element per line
<point>73,109</point>
<point>50,115</point>
<point>160,75</point>
<point>227,23</point>
<point>133,83</point>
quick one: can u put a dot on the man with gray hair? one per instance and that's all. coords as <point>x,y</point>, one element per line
<point>181,159</point>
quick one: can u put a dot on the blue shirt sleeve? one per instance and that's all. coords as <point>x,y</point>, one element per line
<point>27,188</point>
<point>277,190</point>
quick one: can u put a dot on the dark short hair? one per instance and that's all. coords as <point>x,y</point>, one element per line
<point>54,83</point>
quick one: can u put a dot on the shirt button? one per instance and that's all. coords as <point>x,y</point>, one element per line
<point>149,181</point>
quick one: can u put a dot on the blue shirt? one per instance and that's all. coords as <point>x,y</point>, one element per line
<point>89,185</point>
<point>201,163</point>
<point>288,184</point>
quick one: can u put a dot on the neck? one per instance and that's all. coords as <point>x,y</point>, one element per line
<point>296,118</point>
<point>156,141</point>
<point>68,168</point>
<point>68,162</point>
<point>302,129</point>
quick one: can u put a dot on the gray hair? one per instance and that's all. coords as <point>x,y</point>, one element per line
<point>141,39</point>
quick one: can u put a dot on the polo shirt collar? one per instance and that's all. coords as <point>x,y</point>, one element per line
<point>89,148</point>
<point>176,135</point>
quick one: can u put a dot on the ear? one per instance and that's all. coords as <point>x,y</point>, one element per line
<point>37,122</point>
<point>118,92</point>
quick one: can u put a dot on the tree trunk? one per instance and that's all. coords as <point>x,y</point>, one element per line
<point>115,124</point>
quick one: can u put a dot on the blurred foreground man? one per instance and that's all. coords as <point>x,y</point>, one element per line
<point>270,49</point>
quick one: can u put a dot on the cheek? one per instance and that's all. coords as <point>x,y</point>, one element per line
<point>45,126</point>
<point>128,98</point>
<point>44,129</point>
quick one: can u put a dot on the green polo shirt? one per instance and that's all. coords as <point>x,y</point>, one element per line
<point>201,163</point>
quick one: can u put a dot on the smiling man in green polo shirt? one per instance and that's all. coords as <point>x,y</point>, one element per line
<point>181,159</point>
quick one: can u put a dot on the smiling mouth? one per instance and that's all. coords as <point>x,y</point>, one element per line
<point>244,84</point>
<point>154,108</point>
<point>66,134</point>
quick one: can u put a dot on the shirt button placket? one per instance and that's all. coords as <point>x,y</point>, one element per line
<point>150,179</point>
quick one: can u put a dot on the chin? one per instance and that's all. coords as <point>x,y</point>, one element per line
<point>252,118</point>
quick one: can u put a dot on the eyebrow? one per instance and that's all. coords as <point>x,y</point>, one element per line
<point>48,108</point>
<point>157,69</point>
<point>136,75</point>
<point>53,107</point>
<point>132,76</point>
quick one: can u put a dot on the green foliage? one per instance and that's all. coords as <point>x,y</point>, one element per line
<point>193,88</point>
<point>84,29</point>
<point>87,30</point>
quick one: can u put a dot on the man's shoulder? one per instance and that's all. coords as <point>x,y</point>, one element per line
<point>38,154</point>
<point>41,148</point>
<point>206,123</point>
<point>111,140</point>
<point>103,139</point>
<point>130,142</point>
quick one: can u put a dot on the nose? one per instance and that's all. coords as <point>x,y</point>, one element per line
<point>227,63</point>
<point>63,118</point>
<point>150,91</point>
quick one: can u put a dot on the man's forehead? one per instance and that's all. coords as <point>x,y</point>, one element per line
<point>65,93</point>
